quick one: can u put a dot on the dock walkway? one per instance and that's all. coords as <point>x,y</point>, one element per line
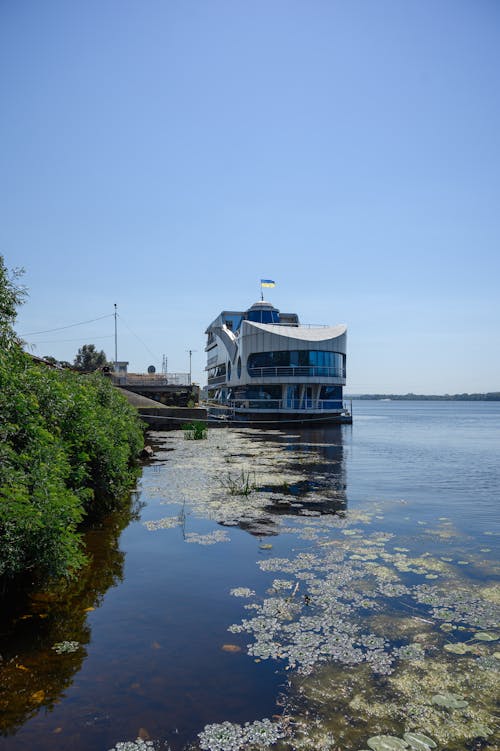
<point>160,417</point>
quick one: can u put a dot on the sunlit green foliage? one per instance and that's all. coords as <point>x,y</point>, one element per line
<point>67,449</point>
<point>89,359</point>
<point>195,431</point>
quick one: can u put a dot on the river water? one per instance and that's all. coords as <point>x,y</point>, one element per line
<point>336,583</point>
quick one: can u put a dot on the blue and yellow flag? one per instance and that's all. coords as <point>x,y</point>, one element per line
<point>267,283</point>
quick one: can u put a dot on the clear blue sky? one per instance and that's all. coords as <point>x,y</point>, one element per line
<point>166,155</point>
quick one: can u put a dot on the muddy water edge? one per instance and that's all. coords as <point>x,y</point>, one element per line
<point>328,587</point>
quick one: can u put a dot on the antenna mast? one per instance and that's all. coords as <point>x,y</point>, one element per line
<point>116,339</point>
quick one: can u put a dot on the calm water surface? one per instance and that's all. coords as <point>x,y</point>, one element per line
<point>151,613</point>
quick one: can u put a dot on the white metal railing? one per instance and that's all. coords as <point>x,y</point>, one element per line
<point>211,361</point>
<point>336,405</point>
<point>152,379</point>
<point>309,371</point>
<point>217,380</point>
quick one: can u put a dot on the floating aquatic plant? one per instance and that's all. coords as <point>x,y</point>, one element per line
<point>449,701</point>
<point>168,522</point>
<point>66,647</point>
<point>209,539</point>
<point>419,742</point>
<point>386,743</point>
<point>458,648</point>
<point>137,745</point>
<point>242,592</point>
<point>485,636</point>
<point>228,736</point>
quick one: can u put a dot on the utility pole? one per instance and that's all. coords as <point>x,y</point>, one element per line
<point>116,339</point>
<point>190,354</point>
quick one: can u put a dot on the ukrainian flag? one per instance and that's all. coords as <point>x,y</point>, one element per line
<point>267,283</point>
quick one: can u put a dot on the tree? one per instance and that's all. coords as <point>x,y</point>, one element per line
<point>11,296</point>
<point>89,359</point>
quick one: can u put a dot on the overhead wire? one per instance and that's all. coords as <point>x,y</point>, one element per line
<point>69,326</point>
<point>157,359</point>
<point>57,341</point>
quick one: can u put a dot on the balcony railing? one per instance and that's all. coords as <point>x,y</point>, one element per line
<point>299,371</point>
<point>211,361</point>
<point>151,379</point>
<point>290,404</point>
<point>217,380</point>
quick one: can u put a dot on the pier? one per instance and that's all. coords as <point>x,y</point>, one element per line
<point>159,416</point>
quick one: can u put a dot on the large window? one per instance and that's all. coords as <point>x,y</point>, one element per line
<point>317,362</point>
<point>217,375</point>
<point>258,392</point>
<point>331,393</point>
<point>233,321</point>
<point>263,316</point>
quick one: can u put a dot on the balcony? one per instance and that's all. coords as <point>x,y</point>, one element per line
<point>217,380</point>
<point>297,371</point>
<point>292,405</point>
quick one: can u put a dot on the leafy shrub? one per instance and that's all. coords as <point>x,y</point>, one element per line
<point>68,445</point>
<point>67,450</point>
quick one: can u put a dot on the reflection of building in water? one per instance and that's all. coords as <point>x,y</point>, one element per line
<point>316,460</point>
<point>263,365</point>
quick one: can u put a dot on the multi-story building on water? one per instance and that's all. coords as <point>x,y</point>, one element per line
<point>264,365</point>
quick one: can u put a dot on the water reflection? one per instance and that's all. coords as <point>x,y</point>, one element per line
<point>33,676</point>
<point>317,458</point>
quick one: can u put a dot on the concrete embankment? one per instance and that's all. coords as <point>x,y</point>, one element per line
<point>160,417</point>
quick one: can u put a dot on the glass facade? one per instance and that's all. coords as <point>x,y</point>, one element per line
<point>331,393</point>
<point>233,321</point>
<point>263,316</point>
<point>320,362</point>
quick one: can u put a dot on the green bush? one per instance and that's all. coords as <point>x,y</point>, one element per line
<point>68,445</point>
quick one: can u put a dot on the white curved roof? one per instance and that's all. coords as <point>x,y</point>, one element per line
<point>301,332</point>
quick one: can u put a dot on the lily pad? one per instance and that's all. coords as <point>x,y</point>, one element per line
<point>458,649</point>
<point>386,743</point>
<point>449,701</point>
<point>419,742</point>
<point>485,636</point>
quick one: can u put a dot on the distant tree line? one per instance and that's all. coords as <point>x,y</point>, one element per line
<point>490,396</point>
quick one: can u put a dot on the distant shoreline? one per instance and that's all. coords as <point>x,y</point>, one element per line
<point>490,396</point>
